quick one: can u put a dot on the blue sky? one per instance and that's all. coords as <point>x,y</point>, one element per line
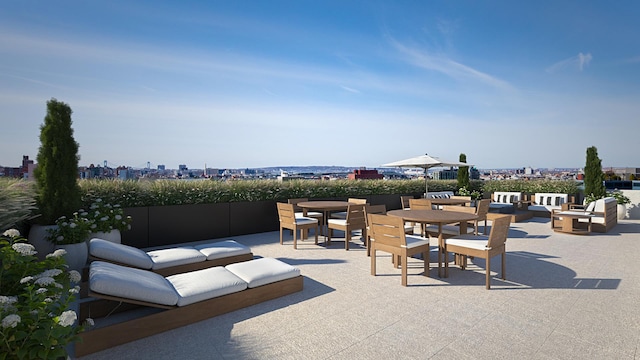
<point>238,84</point>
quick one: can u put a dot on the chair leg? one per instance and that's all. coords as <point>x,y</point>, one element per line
<point>281,235</point>
<point>347,238</point>
<point>504,267</point>
<point>373,261</point>
<point>488,273</point>
<point>316,233</point>
<point>295,239</point>
<point>404,270</point>
<point>425,256</point>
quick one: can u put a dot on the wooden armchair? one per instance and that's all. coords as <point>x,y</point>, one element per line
<point>387,234</point>
<point>302,213</point>
<point>480,246</point>
<point>355,220</point>
<point>289,220</point>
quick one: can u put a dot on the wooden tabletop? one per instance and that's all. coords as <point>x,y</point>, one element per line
<point>433,216</point>
<point>324,204</point>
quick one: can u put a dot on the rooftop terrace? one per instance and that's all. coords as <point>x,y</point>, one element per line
<point>565,296</point>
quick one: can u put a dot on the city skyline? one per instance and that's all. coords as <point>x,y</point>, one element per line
<point>253,84</point>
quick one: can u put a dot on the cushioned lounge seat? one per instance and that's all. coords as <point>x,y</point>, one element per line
<point>186,298</point>
<point>173,260</point>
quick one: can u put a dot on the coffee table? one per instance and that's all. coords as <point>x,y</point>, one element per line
<point>569,221</point>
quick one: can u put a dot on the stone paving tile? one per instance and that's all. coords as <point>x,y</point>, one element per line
<point>564,297</point>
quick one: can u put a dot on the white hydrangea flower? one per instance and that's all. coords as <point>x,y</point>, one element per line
<point>11,233</point>
<point>67,318</point>
<point>45,281</point>
<point>118,217</point>
<point>73,225</point>
<point>11,321</point>
<point>89,322</point>
<point>48,300</point>
<point>24,249</point>
<point>26,279</point>
<point>8,299</point>
<point>74,276</point>
<point>50,273</point>
<point>74,290</point>
<point>57,253</point>
<point>41,291</point>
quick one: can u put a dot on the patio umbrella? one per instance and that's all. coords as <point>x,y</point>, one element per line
<point>425,162</point>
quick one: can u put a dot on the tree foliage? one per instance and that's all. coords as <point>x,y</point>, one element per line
<point>57,164</point>
<point>593,175</point>
<point>463,173</point>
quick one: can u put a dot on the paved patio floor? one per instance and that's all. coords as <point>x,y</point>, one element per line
<point>565,297</point>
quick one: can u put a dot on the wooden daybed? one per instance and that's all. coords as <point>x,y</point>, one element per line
<point>185,298</point>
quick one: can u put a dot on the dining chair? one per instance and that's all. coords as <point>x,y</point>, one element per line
<point>480,246</point>
<point>343,214</point>
<point>355,220</point>
<point>300,212</point>
<point>387,234</point>
<point>404,200</point>
<point>482,209</point>
<point>421,204</point>
<point>288,220</point>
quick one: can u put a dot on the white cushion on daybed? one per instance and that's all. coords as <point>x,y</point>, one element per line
<point>506,197</point>
<point>263,271</point>
<point>131,283</point>
<point>548,201</point>
<point>222,249</point>
<point>175,256</point>
<point>123,254</point>
<point>205,284</point>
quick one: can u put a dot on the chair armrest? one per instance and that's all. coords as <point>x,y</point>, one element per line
<point>572,206</point>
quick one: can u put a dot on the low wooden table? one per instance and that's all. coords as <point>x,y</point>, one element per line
<point>569,221</point>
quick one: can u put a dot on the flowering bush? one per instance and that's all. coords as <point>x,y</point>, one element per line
<point>106,217</point>
<point>475,194</point>
<point>71,231</point>
<point>36,322</point>
<point>619,196</point>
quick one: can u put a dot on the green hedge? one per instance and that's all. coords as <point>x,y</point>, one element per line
<point>129,193</point>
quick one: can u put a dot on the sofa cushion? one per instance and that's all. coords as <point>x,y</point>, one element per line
<point>221,249</point>
<point>175,256</point>
<point>501,208</point>
<point>263,271</point>
<point>507,197</point>
<point>115,280</point>
<point>119,253</point>
<point>205,284</point>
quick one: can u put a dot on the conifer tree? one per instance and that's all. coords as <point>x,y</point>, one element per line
<point>463,173</point>
<point>57,164</point>
<point>593,175</point>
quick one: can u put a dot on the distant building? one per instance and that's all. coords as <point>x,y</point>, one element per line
<point>161,167</point>
<point>452,174</point>
<point>362,174</point>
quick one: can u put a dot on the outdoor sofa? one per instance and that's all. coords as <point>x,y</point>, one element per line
<point>183,298</point>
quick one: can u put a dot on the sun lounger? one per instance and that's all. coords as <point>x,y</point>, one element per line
<point>171,261</point>
<point>186,298</point>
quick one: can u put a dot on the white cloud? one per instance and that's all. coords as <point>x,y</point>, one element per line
<point>578,62</point>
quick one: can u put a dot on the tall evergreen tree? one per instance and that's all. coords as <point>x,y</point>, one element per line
<point>463,173</point>
<point>57,164</point>
<point>593,175</point>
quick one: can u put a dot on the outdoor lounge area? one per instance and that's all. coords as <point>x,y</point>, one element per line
<point>564,296</point>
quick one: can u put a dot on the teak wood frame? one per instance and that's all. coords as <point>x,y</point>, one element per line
<point>171,318</point>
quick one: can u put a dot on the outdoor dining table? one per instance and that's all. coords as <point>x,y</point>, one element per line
<point>326,206</point>
<point>440,217</point>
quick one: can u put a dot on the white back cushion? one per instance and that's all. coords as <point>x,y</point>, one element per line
<point>123,254</point>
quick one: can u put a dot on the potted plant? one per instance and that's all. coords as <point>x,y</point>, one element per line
<point>56,173</point>
<point>107,221</point>
<point>35,319</point>
<point>71,234</point>
<point>622,203</point>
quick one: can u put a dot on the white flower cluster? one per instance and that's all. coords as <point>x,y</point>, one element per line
<point>57,253</point>
<point>12,233</point>
<point>67,318</point>
<point>24,249</point>
<point>11,321</point>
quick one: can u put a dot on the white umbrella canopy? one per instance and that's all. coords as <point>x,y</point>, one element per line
<point>425,162</point>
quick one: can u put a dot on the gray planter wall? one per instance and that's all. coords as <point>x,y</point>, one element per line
<point>175,224</point>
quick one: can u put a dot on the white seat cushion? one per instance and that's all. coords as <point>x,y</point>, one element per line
<point>115,280</point>
<point>306,220</point>
<point>222,249</point>
<point>205,284</point>
<point>414,241</point>
<point>478,242</point>
<point>263,271</point>
<point>120,253</point>
<point>175,256</point>
<point>342,222</point>
<point>312,214</point>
